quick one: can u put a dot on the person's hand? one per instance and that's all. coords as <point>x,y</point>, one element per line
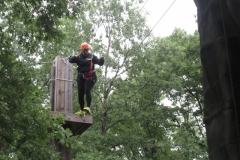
<point>102,57</point>
<point>77,56</point>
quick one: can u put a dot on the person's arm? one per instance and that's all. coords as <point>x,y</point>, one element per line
<point>98,61</point>
<point>74,59</point>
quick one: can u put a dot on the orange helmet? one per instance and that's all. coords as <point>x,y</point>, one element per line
<point>84,46</point>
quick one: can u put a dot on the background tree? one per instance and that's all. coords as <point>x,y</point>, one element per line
<point>26,127</point>
<point>128,107</point>
<point>131,117</point>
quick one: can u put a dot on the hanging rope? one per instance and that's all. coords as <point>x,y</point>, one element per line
<point>159,20</point>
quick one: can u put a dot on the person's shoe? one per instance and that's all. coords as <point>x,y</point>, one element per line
<point>80,112</point>
<point>87,110</point>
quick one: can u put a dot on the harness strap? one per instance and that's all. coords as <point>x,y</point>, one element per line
<point>90,71</point>
<point>91,63</point>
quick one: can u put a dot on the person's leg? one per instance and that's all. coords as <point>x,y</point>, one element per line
<point>88,88</point>
<point>81,88</point>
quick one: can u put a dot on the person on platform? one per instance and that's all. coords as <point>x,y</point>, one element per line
<point>87,77</point>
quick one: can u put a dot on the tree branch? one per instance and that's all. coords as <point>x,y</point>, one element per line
<point>116,122</point>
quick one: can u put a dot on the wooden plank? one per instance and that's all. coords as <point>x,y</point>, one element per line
<point>58,65</point>
<point>68,87</point>
<point>71,86</point>
<point>73,117</point>
<point>63,82</point>
<point>56,85</point>
<point>77,124</point>
<point>61,85</point>
<point>52,87</point>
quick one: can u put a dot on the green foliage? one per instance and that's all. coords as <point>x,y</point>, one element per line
<point>137,124</point>
<point>129,112</point>
<point>25,123</point>
<point>131,117</point>
<point>26,127</point>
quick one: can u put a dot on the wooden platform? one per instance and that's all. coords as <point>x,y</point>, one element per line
<point>77,124</point>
